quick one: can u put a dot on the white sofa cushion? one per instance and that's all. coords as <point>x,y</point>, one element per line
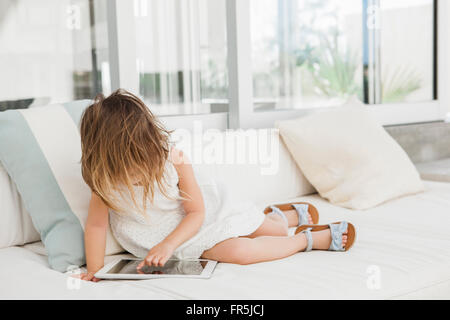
<point>16,227</point>
<point>395,256</point>
<point>349,158</point>
<point>254,165</point>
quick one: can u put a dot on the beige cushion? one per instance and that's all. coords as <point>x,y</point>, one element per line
<point>349,158</point>
<point>16,227</point>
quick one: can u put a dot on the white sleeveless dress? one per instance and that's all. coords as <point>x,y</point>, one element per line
<point>224,219</point>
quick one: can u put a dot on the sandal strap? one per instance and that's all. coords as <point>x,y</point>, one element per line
<point>309,239</point>
<point>302,212</point>
<point>336,236</point>
<point>276,210</point>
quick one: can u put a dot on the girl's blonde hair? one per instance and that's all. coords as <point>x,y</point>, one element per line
<point>121,141</point>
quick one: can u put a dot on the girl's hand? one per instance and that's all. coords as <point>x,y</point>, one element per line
<point>89,276</point>
<point>158,255</point>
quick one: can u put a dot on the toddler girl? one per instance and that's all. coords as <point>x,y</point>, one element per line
<point>146,190</point>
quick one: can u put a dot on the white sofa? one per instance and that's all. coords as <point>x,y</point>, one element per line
<point>402,251</point>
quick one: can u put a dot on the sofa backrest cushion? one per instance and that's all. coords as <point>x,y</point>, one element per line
<point>16,227</point>
<point>254,164</point>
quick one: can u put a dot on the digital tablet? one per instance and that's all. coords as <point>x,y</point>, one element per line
<point>173,268</point>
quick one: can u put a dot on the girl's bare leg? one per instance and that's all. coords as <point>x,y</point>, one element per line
<point>292,218</point>
<point>273,225</point>
<point>247,250</point>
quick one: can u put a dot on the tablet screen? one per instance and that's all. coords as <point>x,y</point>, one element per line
<point>184,267</point>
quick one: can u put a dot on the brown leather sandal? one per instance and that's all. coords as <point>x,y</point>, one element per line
<point>300,207</point>
<point>337,229</point>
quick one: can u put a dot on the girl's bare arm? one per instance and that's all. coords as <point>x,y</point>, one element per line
<point>193,206</point>
<point>95,237</point>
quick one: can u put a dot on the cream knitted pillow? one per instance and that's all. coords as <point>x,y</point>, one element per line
<point>349,158</point>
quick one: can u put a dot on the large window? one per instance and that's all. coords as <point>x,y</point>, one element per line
<point>233,61</point>
<point>181,54</point>
<point>50,53</point>
<point>318,53</point>
<point>407,50</point>
<point>305,53</point>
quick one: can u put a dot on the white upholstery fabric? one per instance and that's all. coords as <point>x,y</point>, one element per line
<point>405,240</point>
<point>265,172</point>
